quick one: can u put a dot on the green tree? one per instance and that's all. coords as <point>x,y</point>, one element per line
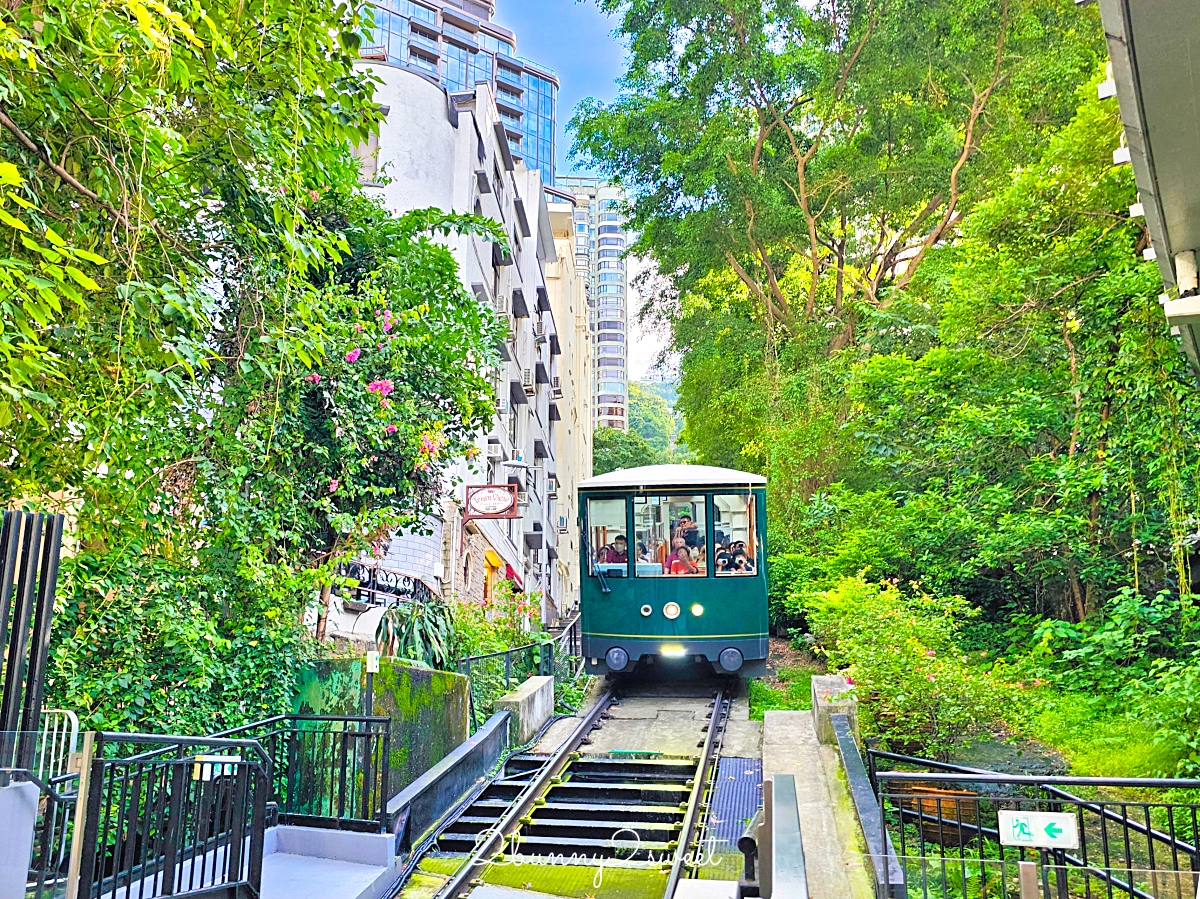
<point>225,362</point>
<point>844,135</point>
<point>651,416</point>
<point>614,449</point>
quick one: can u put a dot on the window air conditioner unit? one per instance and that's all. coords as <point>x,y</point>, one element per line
<point>501,304</point>
<point>504,406</point>
<point>522,498</point>
<point>556,387</point>
<point>539,332</point>
<point>552,493</point>
<point>495,451</point>
<point>562,524</point>
<point>527,381</point>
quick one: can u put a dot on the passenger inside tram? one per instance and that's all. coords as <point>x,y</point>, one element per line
<point>734,531</point>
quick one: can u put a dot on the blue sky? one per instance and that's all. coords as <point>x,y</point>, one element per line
<point>575,40</point>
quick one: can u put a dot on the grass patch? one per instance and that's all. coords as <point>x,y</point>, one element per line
<point>1096,742</point>
<point>790,690</point>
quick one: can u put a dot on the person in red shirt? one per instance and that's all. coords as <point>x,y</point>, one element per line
<point>681,562</point>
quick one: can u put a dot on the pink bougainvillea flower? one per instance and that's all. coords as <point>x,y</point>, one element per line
<point>930,653</point>
<point>383,388</point>
<point>388,320</point>
<point>353,355</point>
<point>931,678</point>
<point>386,403</point>
<point>314,378</point>
<point>850,681</point>
<point>334,484</point>
<point>427,444</point>
<point>314,196</point>
<point>390,429</point>
<point>358,327</point>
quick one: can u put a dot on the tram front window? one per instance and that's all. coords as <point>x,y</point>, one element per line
<point>608,538</point>
<point>669,536</point>
<point>735,540</point>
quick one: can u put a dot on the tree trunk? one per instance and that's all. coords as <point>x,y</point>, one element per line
<point>323,613</point>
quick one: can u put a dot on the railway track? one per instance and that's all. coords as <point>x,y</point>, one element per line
<point>634,810</point>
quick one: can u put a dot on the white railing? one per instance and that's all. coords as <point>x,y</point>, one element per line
<point>59,738</point>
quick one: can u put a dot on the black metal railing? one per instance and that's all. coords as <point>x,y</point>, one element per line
<point>382,586</point>
<point>494,674</point>
<point>29,553</point>
<point>1135,837</point>
<point>328,771</point>
<point>173,816</point>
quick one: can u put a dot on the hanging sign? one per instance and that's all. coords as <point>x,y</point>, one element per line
<point>492,501</point>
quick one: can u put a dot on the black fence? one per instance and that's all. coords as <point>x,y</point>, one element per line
<point>958,833</point>
<point>382,586</point>
<point>29,550</point>
<point>325,770</point>
<point>173,816</point>
<point>495,673</point>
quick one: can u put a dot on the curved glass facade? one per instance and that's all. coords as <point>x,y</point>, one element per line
<point>461,50</point>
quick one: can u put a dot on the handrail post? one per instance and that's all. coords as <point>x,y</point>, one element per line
<point>82,761</point>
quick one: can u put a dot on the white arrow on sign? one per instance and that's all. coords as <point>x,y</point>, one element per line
<point>1039,830</point>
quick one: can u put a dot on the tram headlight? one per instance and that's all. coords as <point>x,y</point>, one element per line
<point>671,610</point>
<point>697,609</point>
<point>616,659</point>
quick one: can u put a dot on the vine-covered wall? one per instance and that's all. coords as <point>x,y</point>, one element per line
<point>429,710</point>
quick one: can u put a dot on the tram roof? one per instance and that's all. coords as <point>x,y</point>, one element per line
<point>672,476</point>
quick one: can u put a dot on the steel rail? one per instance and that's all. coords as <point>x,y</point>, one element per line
<point>461,882</point>
<point>691,817</point>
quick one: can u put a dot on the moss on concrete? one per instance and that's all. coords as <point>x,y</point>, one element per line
<point>428,709</point>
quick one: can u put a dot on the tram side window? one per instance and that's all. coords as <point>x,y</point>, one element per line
<point>735,539</point>
<point>607,537</point>
<point>669,535</point>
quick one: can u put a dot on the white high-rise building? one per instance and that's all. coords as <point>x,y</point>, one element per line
<point>452,150</point>
<point>600,242</point>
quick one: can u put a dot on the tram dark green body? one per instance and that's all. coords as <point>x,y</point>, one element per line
<point>625,610</point>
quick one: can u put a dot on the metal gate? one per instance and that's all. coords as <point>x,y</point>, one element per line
<point>171,816</point>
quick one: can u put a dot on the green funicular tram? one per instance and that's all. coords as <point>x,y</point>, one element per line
<point>674,568</point>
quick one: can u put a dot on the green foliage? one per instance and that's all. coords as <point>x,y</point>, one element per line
<point>613,449</point>
<point>901,654</point>
<point>420,632</point>
<point>793,694</point>
<point>651,417</point>
<point>230,367</point>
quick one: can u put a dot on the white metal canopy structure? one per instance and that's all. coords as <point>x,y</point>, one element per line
<point>672,476</point>
<point>1154,46</point>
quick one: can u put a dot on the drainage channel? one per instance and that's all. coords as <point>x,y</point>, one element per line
<point>553,822</point>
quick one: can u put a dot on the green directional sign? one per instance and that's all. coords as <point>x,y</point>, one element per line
<point>1039,830</point>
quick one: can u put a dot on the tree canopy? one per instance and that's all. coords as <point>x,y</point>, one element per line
<point>231,367</point>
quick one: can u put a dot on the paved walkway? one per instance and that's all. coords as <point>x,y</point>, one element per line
<point>834,854</point>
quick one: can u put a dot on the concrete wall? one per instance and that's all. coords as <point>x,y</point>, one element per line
<point>429,710</point>
<point>531,705</point>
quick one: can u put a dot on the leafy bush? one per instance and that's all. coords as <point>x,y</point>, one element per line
<point>1171,700</point>
<point>418,631</point>
<point>917,691</point>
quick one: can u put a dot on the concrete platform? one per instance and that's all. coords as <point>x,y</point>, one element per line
<point>287,876</point>
<point>834,854</point>
<point>706,889</point>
